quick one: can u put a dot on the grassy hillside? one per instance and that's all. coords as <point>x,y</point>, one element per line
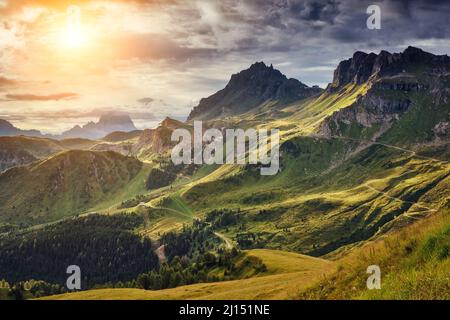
<point>22,150</point>
<point>330,193</point>
<point>78,144</point>
<point>118,136</point>
<point>287,273</point>
<point>66,184</point>
<point>38,147</point>
<point>415,264</point>
<point>18,151</point>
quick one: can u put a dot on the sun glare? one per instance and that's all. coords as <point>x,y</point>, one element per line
<point>73,35</point>
<point>74,38</point>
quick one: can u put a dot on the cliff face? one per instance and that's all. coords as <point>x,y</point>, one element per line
<point>249,89</point>
<point>396,83</point>
<point>156,141</point>
<point>363,67</point>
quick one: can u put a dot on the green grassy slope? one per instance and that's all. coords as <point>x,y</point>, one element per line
<point>38,147</point>
<point>65,184</point>
<point>414,263</point>
<point>22,150</point>
<point>321,201</point>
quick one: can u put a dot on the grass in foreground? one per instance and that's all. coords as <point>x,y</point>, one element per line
<point>415,265</point>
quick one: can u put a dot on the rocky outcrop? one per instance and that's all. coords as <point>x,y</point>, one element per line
<point>369,110</point>
<point>363,67</point>
<point>249,89</point>
<point>144,144</point>
<point>393,81</point>
<point>156,141</point>
<point>442,130</point>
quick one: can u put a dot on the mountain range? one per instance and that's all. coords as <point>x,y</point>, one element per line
<point>107,124</point>
<point>364,173</point>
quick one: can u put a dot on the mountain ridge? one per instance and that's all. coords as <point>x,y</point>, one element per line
<point>412,83</point>
<point>107,124</point>
<point>8,129</point>
<point>62,185</point>
<point>249,89</point>
<point>363,67</point>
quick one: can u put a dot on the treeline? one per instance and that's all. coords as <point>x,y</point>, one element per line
<point>184,271</point>
<point>221,218</point>
<point>111,255</point>
<point>192,241</point>
<point>104,247</point>
<point>195,255</point>
<point>28,290</point>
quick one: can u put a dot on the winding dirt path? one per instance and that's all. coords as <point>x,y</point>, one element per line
<point>228,242</point>
<point>406,214</point>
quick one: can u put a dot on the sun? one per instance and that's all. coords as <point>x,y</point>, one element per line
<point>73,35</point>
<point>73,38</point>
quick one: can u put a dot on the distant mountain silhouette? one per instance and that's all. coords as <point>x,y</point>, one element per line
<point>7,129</point>
<point>106,125</point>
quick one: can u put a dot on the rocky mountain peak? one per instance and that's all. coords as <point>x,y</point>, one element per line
<point>258,71</point>
<point>248,90</point>
<point>8,129</point>
<point>116,119</point>
<point>6,125</point>
<point>171,123</point>
<point>107,124</point>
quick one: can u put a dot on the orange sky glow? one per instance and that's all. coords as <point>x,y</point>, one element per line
<point>65,62</point>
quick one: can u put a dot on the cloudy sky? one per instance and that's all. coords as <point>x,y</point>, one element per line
<point>66,62</point>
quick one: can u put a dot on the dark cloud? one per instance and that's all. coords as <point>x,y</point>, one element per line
<point>325,11</point>
<point>33,97</point>
<point>333,22</point>
<point>146,102</point>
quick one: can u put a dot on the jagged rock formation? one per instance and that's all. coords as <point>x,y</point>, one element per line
<point>106,125</point>
<point>249,89</point>
<point>394,81</point>
<point>363,67</point>
<point>157,141</point>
